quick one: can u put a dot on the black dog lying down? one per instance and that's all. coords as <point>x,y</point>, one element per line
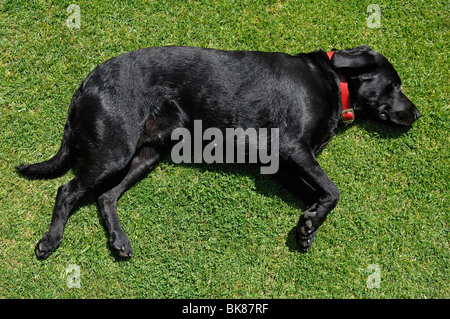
<point>121,118</point>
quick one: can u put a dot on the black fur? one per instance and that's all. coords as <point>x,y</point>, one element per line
<point>121,118</point>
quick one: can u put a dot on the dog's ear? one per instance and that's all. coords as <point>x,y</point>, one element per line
<point>360,58</point>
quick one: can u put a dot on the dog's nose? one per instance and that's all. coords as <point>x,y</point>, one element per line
<point>417,114</point>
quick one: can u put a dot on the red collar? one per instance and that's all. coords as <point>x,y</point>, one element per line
<point>348,114</point>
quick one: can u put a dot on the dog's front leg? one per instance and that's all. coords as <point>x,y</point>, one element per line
<point>327,193</point>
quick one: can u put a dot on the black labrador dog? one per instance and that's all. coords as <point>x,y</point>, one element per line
<point>121,118</point>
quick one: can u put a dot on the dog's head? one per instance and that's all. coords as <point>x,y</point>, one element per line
<point>375,86</point>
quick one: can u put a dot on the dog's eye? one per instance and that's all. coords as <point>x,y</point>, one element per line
<point>384,115</point>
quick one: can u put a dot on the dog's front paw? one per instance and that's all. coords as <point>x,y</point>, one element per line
<point>306,231</point>
<point>46,246</point>
<point>121,245</point>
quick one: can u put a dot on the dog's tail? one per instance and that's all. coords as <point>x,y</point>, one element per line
<point>54,167</point>
<point>64,159</point>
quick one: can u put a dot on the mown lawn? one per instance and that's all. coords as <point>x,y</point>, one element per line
<point>200,231</point>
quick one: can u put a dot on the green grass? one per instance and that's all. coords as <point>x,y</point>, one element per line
<point>226,231</point>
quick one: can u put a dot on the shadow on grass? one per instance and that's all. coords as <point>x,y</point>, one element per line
<point>295,194</point>
<point>380,130</point>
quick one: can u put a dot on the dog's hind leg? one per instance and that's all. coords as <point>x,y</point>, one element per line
<point>97,168</point>
<point>142,163</point>
<point>98,163</point>
<point>69,194</point>
<point>67,197</point>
